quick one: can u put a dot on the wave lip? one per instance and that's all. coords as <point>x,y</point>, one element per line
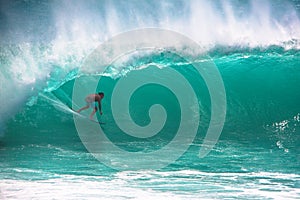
<point>245,23</point>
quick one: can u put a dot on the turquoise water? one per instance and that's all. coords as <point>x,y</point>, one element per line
<point>257,153</point>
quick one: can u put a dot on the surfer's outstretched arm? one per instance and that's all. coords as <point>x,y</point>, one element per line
<point>100,107</point>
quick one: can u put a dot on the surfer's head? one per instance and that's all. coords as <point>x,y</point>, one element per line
<point>101,94</point>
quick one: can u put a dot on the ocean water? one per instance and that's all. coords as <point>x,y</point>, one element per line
<point>249,104</point>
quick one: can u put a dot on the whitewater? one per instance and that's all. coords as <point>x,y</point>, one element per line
<point>201,99</point>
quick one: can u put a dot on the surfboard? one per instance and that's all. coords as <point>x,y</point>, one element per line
<point>83,116</point>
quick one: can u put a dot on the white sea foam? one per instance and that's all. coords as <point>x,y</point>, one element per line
<point>185,184</point>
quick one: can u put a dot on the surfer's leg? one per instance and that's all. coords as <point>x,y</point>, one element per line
<point>85,107</point>
<point>93,113</point>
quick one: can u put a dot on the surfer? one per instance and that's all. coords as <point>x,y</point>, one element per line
<point>91,103</point>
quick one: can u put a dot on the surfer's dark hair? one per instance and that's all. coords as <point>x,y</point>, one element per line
<point>101,93</point>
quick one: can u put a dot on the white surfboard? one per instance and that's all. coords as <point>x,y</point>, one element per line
<point>80,115</point>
